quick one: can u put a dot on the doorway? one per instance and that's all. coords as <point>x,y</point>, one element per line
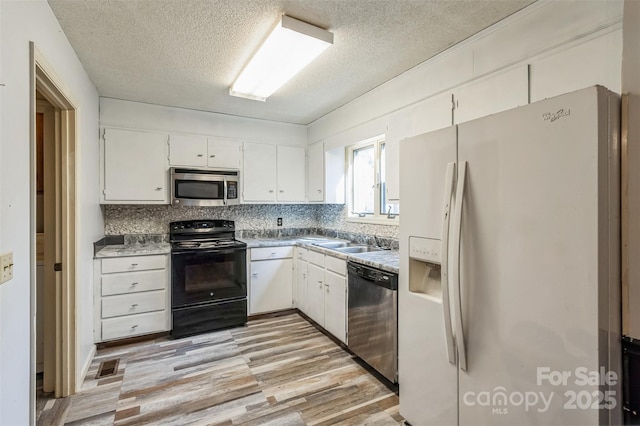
<point>45,206</point>
<point>55,194</point>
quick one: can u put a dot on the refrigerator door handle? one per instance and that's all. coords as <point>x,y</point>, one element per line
<point>455,272</point>
<point>446,304</point>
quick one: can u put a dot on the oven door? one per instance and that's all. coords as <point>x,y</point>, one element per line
<point>205,276</point>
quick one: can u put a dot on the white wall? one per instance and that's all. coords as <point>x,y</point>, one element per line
<point>136,115</point>
<point>21,22</point>
<point>568,44</point>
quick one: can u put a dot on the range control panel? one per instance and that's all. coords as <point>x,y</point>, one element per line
<point>425,249</point>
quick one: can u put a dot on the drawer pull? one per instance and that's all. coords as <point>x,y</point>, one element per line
<point>134,305</point>
<point>134,284</point>
<point>159,188</point>
<point>133,327</point>
<point>134,265</point>
<point>254,275</point>
<point>200,155</point>
<point>273,253</point>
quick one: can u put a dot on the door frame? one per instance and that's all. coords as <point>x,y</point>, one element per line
<point>44,80</point>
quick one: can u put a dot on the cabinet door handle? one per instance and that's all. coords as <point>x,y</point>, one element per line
<point>212,156</point>
<point>271,190</point>
<point>200,155</point>
<point>254,275</point>
<point>282,190</point>
<point>319,190</point>
<point>159,188</point>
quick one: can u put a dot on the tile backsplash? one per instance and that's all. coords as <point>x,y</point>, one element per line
<point>151,219</point>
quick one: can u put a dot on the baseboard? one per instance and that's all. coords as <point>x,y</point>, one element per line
<point>85,368</point>
<point>271,314</point>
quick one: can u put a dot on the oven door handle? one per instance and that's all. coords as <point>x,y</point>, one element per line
<point>215,251</point>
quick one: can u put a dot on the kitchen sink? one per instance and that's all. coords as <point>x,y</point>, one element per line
<point>332,245</point>
<point>313,240</point>
<point>358,249</point>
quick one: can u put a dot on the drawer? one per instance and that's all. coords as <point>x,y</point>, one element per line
<point>133,263</point>
<point>316,258</point>
<point>133,325</point>
<point>263,253</point>
<point>303,253</point>
<point>336,265</point>
<point>136,303</point>
<point>134,282</point>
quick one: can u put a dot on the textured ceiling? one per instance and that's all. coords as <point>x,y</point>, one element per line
<point>186,53</point>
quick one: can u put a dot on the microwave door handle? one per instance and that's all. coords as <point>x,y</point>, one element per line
<point>224,201</point>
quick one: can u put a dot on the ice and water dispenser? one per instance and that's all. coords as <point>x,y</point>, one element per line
<point>424,266</point>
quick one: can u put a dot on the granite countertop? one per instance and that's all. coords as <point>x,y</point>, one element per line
<point>387,260</point>
<point>119,250</point>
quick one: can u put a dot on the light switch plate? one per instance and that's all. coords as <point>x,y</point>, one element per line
<point>6,267</point>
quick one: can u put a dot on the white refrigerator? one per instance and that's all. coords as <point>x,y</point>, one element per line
<point>509,284</point>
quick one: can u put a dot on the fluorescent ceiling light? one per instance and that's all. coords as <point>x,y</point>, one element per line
<point>291,46</point>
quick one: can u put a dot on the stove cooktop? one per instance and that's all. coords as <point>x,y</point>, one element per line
<point>203,234</point>
<point>207,244</point>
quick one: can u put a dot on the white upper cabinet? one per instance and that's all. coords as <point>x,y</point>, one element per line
<point>431,114</point>
<point>273,173</point>
<point>335,174</point>
<point>187,150</point>
<point>223,153</point>
<point>580,66</point>
<point>202,151</point>
<point>259,172</point>
<point>134,167</point>
<point>291,173</point>
<point>499,92</point>
<point>315,167</point>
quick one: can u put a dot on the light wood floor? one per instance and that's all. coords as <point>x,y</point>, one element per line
<point>275,371</point>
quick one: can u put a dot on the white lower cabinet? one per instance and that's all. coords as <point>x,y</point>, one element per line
<point>315,293</point>
<point>133,325</point>
<point>335,305</point>
<point>271,279</point>
<point>326,295</point>
<point>302,267</point>
<point>132,296</point>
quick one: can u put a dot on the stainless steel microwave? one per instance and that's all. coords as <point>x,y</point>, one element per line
<point>198,187</point>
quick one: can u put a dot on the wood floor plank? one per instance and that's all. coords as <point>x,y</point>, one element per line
<point>273,371</point>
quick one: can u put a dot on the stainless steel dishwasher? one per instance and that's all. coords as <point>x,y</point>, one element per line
<point>372,318</point>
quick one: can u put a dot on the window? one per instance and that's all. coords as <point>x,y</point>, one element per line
<point>367,183</point>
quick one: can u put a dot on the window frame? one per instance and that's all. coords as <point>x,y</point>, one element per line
<point>377,217</point>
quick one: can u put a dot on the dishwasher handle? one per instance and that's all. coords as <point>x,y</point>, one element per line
<point>372,275</point>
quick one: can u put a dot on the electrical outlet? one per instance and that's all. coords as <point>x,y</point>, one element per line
<point>279,221</point>
<point>6,267</point>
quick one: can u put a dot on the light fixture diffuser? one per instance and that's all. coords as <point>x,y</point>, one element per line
<point>290,47</point>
